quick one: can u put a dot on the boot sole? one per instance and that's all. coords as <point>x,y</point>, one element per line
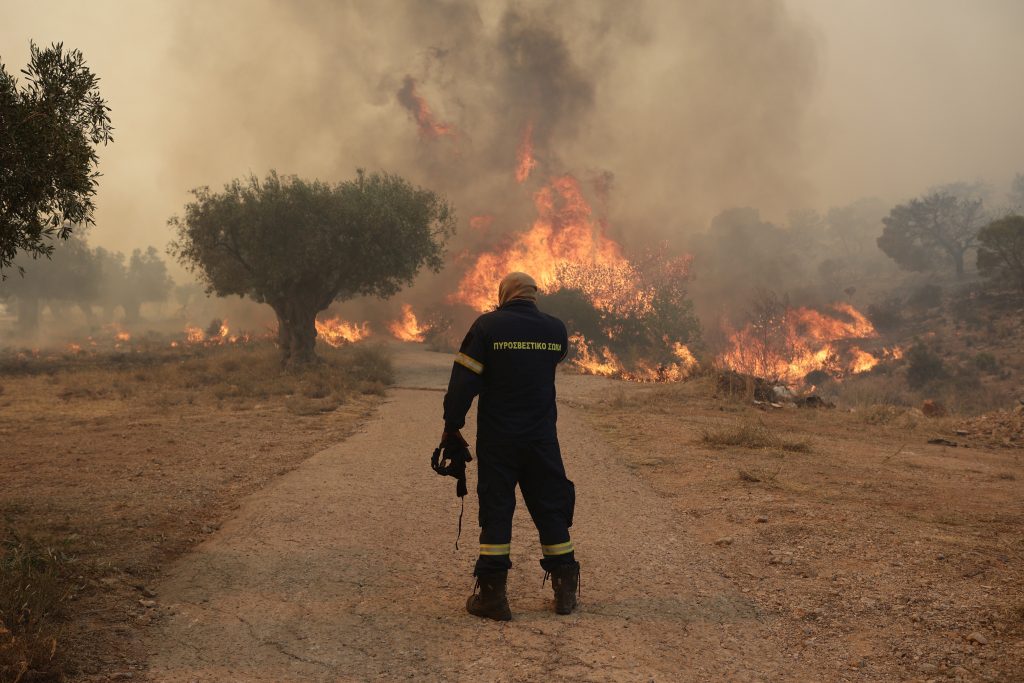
<point>501,617</point>
<point>505,615</point>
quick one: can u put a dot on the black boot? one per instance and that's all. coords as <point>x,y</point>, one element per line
<point>492,601</point>
<point>565,579</point>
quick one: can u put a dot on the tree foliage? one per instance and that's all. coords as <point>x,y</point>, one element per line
<point>80,276</point>
<point>70,276</point>
<point>146,280</point>
<point>1001,251</point>
<point>933,229</point>
<point>50,128</point>
<point>300,245</point>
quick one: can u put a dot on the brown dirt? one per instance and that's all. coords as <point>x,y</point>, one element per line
<point>873,557</point>
<point>125,469</point>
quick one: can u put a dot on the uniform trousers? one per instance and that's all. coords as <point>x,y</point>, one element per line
<point>536,466</point>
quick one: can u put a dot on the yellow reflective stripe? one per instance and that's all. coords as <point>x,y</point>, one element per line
<point>495,549</point>
<point>474,365</point>
<point>558,548</point>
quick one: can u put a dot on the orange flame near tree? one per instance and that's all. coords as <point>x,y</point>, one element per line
<point>604,362</point>
<point>563,238</point>
<point>802,341</point>
<point>337,332</point>
<point>408,328</point>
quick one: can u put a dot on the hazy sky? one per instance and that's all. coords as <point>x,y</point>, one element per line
<point>892,96</point>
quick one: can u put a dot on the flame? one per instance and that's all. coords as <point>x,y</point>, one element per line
<point>861,361</point>
<point>893,353</point>
<point>604,362</point>
<point>802,341</point>
<point>525,161</point>
<point>429,126</point>
<point>337,332</point>
<point>564,247</point>
<point>593,362</point>
<point>408,328</point>
<point>123,336</point>
<point>194,335</point>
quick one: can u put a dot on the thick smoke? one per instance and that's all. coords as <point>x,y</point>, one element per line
<point>670,97</point>
<point>690,107</point>
<point>667,112</point>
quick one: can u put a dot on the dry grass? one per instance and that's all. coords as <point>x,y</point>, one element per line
<point>890,391</point>
<point>239,376</point>
<point>753,435</point>
<point>36,582</point>
<point>102,487</point>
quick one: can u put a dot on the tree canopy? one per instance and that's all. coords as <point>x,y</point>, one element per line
<point>50,127</point>
<point>300,245</point>
<point>1001,252</point>
<point>927,231</point>
<point>71,276</point>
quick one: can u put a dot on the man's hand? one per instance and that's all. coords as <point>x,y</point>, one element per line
<point>453,437</point>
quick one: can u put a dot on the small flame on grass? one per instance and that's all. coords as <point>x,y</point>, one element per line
<point>337,332</point>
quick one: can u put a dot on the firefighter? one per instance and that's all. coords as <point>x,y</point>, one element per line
<point>508,358</point>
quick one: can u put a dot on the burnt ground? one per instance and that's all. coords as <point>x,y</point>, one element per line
<point>845,550</point>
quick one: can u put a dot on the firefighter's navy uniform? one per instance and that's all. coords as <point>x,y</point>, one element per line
<point>509,359</point>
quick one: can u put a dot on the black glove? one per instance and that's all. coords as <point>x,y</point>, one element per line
<point>450,458</point>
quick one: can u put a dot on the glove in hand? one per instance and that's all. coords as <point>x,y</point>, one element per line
<point>450,458</point>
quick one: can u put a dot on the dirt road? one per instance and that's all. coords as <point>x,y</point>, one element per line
<point>345,570</point>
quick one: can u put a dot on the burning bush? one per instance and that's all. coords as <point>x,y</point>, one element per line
<point>784,344</point>
<point>633,321</point>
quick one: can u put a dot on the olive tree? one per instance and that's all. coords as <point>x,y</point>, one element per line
<point>937,227</point>
<point>300,245</point>
<point>1001,252</point>
<point>146,280</point>
<point>50,127</point>
<point>70,277</point>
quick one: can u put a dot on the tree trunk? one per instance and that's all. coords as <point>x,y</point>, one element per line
<point>296,335</point>
<point>958,260</point>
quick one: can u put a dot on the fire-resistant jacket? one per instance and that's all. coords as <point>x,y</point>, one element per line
<point>509,359</point>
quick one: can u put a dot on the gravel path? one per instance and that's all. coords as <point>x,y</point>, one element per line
<point>345,570</point>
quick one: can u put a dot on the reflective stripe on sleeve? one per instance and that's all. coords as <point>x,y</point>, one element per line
<point>557,549</point>
<point>467,362</point>
<point>495,549</point>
